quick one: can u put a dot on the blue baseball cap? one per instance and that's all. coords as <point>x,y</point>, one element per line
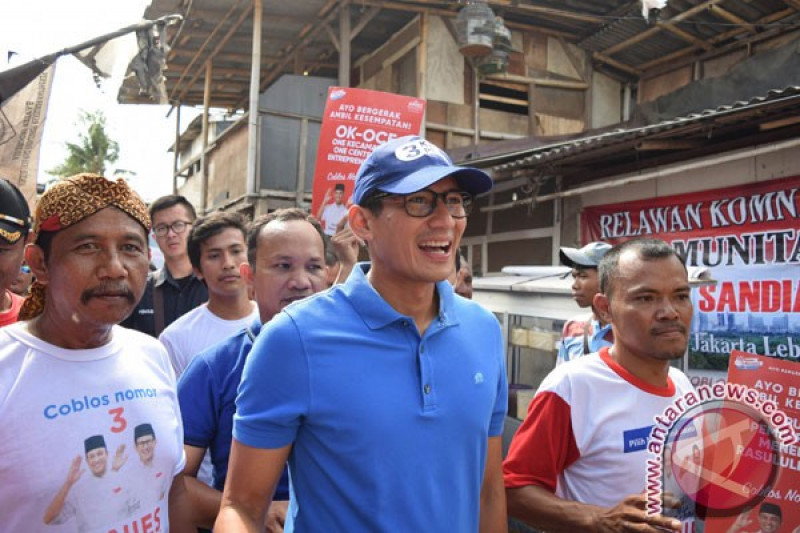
<point>408,164</point>
<point>587,257</point>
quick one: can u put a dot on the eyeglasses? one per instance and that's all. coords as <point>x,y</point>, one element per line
<point>179,226</point>
<point>422,203</point>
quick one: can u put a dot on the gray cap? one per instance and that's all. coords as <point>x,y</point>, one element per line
<point>587,257</point>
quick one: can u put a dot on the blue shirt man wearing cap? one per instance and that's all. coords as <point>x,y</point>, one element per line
<point>386,394</point>
<point>15,223</point>
<point>585,333</point>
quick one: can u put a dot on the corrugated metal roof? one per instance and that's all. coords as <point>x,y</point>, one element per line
<point>561,150</point>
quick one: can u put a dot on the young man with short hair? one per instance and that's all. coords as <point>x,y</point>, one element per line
<point>173,290</point>
<point>286,262</point>
<point>216,247</point>
<point>15,223</point>
<point>386,393</point>
<point>585,333</point>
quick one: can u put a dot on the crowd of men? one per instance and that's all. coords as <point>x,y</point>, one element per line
<point>324,394</point>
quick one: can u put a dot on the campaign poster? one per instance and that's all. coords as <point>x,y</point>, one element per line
<point>778,507</point>
<point>749,236</point>
<point>354,123</point>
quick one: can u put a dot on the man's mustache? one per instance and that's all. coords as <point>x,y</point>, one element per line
<point>108,289</point>
<point>673,326</point>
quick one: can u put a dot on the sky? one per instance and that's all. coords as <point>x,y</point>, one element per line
<point>144,133</point>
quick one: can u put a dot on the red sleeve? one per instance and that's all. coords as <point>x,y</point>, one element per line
<point>544,444</point>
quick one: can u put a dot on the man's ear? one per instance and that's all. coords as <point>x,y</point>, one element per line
<point>246,271</point>
<point>34,256</point>
<point>360,220</point>
<point>602,307</point>
<point>197,273</point>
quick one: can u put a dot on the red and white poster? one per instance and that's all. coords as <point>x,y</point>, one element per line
<point>354,123</point>
<point>749,236</point>
<point>778,506</point>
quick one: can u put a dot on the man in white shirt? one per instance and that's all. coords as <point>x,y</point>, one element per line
<point>67,370</point>
<point>330,214</point>
<point>585,437</point>
<point>217,247</point>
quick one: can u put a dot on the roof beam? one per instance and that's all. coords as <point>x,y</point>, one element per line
<point>202,48</point>
<point>399,5</point>
<point>722,37</point>
<point>730,17</point>
<point>639,37</point>
<point>246,12</point>
<point>363,21</point>
<point>686,36</point>
<point>597,56</point>
<point>307,33</point>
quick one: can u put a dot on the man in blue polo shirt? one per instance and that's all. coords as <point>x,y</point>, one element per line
<point>386,394</point>
<point>286,262</point>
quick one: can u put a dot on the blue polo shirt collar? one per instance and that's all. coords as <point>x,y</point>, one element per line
<point>377,313</point>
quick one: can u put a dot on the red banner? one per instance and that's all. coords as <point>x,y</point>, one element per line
<point>354,123</point>
<point>749,236</point>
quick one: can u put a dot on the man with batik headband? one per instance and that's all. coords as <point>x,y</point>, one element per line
<point>15,222</point>
<point>68,370</point>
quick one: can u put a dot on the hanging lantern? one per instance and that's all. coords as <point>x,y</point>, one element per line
<point>475,29</point>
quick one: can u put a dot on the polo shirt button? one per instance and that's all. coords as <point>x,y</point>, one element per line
<point>422,349</point>
<point>405,323</point>
<point>427,388</point>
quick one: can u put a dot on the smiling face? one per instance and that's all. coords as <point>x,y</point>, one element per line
<point>95,272</point>
<point>768,522</point>
<point>585,284</point>
<point>289,265</point>
<point>220,258</point>
<point>97,460</point>
<point>406,249</point>
<point>145,447</point>
<point>649,307</point>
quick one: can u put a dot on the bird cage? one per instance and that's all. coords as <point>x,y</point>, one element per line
<point>501,38</point>
<point>495,63</point>
<point>475,29</point>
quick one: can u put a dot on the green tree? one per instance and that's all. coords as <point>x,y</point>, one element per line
<point>92,151</point>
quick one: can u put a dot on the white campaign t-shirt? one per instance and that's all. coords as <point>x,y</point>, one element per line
<point>197,330</point>
<point>52,399</point>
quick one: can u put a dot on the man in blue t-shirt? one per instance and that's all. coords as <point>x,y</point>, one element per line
<point>286,262</point>
<point>386,394</point>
